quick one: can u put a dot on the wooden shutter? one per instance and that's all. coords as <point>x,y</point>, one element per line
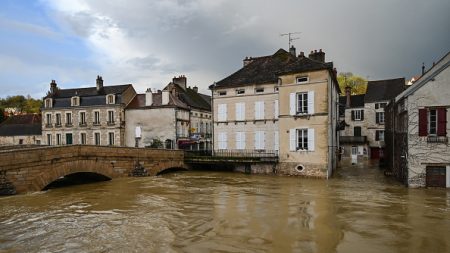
<point>362,114</point>
<point>423,122</point>
<point>353,115</point>
<point>377,118</point>
<point>275,109</point>
<point>238,138</point>
<point>262,140</point>
<point>243,140</point>
<point>256,140</point>
<point>311,140</point>
<point>293,140</point>
<point>442,122</point>
<point>225,140</point>
<point>377,135</point>
<point>311,102</point>
<point>240,111</point>
<point>292,104</point>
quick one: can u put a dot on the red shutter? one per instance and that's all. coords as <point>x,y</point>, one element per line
<point>442,122</point>
<point>423,122</point>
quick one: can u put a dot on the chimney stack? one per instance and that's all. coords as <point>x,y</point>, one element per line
<point>292,51</point>
<point>165,97</point>
<point>317,56</point>
<point>53,87</point>
<point>148,97</point>
<point>99,82</point>
<point>348,93</point>
<point>301,55</point>
<point>423,68</point>
<point>195,88</point>
<point>181,81</point>
<point>247,61</point>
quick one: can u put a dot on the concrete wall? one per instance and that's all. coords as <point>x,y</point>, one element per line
<point>421,153</point>
<point>155,123</point>
<point>33,169</point>
<point>15,140</point>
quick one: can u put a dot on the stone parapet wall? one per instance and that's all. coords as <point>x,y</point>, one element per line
<point>309,169</point>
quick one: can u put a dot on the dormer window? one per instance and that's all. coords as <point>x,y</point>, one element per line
<point>75,101</point>
<point>240,91</point>
<point>110,99</point>
<point>222,93</point>
<point>48,103</point>
<point>301,79</point>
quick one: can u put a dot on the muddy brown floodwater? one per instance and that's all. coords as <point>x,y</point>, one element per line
<point>359,210</point>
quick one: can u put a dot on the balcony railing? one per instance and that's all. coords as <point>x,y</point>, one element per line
<point>238,156</point>
<point>437,139</point>
<point>353,139</point>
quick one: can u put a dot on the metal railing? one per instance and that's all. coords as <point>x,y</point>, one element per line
<point>353,139</point>
<point>233,153</point>
<point>437,139</point>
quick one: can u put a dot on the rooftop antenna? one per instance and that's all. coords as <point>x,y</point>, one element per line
<point>290,38</point>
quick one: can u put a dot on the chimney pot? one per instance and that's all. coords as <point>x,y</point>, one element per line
<point>292,51</point>
<point>195,88</point>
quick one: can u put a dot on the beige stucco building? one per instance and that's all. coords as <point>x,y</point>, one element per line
<point>418,130</point>
<point>281,103</point>
<point>88,116</point>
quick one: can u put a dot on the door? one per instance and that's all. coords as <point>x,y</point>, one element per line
<point>357,131</point>
<point>68,139</point>
<point>375,153</point>
<point>435,176</point>
<point>354,155</point>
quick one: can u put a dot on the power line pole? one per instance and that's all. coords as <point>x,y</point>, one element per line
<point>290,38</point>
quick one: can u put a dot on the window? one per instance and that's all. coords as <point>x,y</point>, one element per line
<point>240,140</point>
<point>379,135</point>
<point>259,90</point>
<point>222,93</point>
<point>357,131</point>
<point>49,119</point>
<point>58,139</point>
<point>275,89</point>
<point>58,119</point>
<point>222,114</point>
<point>75,101</point>
<point>260,140</point>
<point>111,139</point>
<point>96,118</point>
<point>48,103</point>
<point>259,110</point>
<point>82,118</point>
<point>97,139</point>
<point>380,105</point>
<point>301,79</point>
<point>20,141</point>
<point>110,117</point>
<point>222,141</point>
<point>302,103</point>
<point>240,111</point>
<point>432,122</point>
<point>69,139</point>
<point>68,119</point>
<point>357,115</point>
<point>110,99</point>
<point>379,117</point>
<point>240,91</point>
<point>302,139</point>
<point>49,139</point>
<point>355,150</point>
<point>83,138</point>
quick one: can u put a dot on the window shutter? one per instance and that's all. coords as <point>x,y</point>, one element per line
<point>256,140</point>
<point>377,135</point>
<point>275,110</point>
<point>225,139</point>
<point>292,140</point>
<point>276,141</point>
<point>238,139</point>
<point>293,104</point>
<point>262,109</point>
<point>243,140</point>
<point>262,140</point>
<point>377,118</point>
<point>311,140</point>
<point>362,114</point>
<point>423,122</point>
<point>225,116</point>
<point>353,115</point>
<point>442,122</point>
<point>310,102</point>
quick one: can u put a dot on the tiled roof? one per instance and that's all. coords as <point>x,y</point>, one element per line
<point>29,124</point>
<point>266,69</point>
<point>383,90</point>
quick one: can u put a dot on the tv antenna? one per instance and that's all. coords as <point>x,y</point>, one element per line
<point>290,37</point>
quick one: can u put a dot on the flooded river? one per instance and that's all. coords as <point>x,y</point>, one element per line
<point>359,210</point>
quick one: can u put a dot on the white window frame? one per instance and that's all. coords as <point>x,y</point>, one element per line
<point>83,141</point>
<point>432,122</point>
<point>300,105</point>
<point>381,122</point>
<point>222,112</point>
<point>110,99</point>
<point>109,116</point>
<point>69,120</point>
<point>99,138</point>
<point>260,140</point>
<point>75,101</point>
<point>94,113</point>
<point>222,141</point>
<point>111,141</point>
<point>301,79</point>
<point>48,118</point>
<point>240,111</point>
<point>240,140</point>
<point>259,110</point>
<point>49,139</point>
<point>240,91</point>
<point>58,139</point>
<point>358,115</point>
<point>82,121</point>
<point>297,139</point>
<point>48,103</point>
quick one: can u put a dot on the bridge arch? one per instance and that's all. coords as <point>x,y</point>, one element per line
<point>171,169</point>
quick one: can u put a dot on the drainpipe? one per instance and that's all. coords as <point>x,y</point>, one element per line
<point>212,118</point>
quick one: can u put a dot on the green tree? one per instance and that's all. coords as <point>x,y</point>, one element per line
<point>26,105</point>
<point>357,84</point>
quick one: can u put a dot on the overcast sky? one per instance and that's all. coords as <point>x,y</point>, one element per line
<point>147,42</point>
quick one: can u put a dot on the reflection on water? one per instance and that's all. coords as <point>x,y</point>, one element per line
<point>357,211</point>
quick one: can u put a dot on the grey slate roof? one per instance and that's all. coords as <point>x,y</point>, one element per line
<point>355,101</point>
<point>383,90</point>
<point>266,69</point>
<point>18,125</point>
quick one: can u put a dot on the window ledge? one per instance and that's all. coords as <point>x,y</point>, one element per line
<point>437,139</point>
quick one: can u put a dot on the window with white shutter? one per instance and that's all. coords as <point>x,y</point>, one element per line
<point>259,140</point>
<point>311,139</point>
<point>222,140</point>
<point>240,140</point>
<point>222,112</point>
<point>240,111</point>
<point>310,102</point>
<point>276,141</point>
<point>275,109</point>
<point>302,139</point>
<point>259,110</point>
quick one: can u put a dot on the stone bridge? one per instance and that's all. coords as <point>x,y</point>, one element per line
<point>32,169</point>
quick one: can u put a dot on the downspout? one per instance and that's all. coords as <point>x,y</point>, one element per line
<point>330,135</point>
<point>212,118</point>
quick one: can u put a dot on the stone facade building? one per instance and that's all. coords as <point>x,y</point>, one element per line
<point>21,130</point>
<point>281,103</point>
<point>417,130</point>
<point>178,117</point>
<point>91,116</point>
